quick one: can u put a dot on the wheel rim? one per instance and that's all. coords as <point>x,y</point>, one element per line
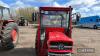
<point>14,36</point>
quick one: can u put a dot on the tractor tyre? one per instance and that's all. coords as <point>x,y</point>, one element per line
<point>10,36</point>
<point>95,27</point>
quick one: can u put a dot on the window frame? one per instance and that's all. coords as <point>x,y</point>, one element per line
<point>67,18</point>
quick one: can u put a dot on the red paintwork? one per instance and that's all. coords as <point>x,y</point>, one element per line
<point>51,29</point>
<point>58,36</point>
<point>55,34</point>
<point>11,21</point>
<point>14,33</point>
<point>60,51</point>
<point>55,9</point>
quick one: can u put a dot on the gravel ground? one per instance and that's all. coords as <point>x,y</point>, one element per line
<point>86,38</point>
<point>83,38</point>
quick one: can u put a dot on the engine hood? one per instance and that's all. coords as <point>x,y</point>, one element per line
<point>59,36</point>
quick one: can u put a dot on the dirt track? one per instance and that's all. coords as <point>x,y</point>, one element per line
<point>83,38</point>
<point>86,38</point>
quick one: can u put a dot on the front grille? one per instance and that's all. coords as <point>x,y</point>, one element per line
<point>61,45</point>
<point>65,43</point>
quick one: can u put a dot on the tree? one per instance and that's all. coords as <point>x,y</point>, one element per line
<point>26,12</point>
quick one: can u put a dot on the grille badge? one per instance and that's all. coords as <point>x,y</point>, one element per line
<point>61,46</point>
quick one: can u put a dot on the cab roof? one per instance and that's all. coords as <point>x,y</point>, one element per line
<point>2,7</point>
<point>56,8</point>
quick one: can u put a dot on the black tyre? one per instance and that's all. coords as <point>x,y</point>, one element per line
<point>10,36</point>
<point>95,27</point>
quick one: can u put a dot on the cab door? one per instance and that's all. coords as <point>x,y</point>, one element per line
<point>43,43</point>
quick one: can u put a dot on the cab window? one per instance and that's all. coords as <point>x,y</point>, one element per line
<point>6,15</point>
<point>97,20</point>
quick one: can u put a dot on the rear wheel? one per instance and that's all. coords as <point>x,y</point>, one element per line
<point>14,37</point>
<point>95,27</point>
<point>10,36</point>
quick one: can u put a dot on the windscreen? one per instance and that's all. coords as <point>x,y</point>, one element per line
<point>54,18</point>
<point>6,14</point>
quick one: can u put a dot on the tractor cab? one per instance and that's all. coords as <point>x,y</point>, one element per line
<point>5,16</point>
<point>54,32</point>
<point>8,29</point>
<point>5,13</point>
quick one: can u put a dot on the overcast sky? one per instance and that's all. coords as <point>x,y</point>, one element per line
<point>85,7</point>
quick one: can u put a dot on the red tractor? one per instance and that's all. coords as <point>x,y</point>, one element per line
<point>54,32</point>
<point>8,29</point>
